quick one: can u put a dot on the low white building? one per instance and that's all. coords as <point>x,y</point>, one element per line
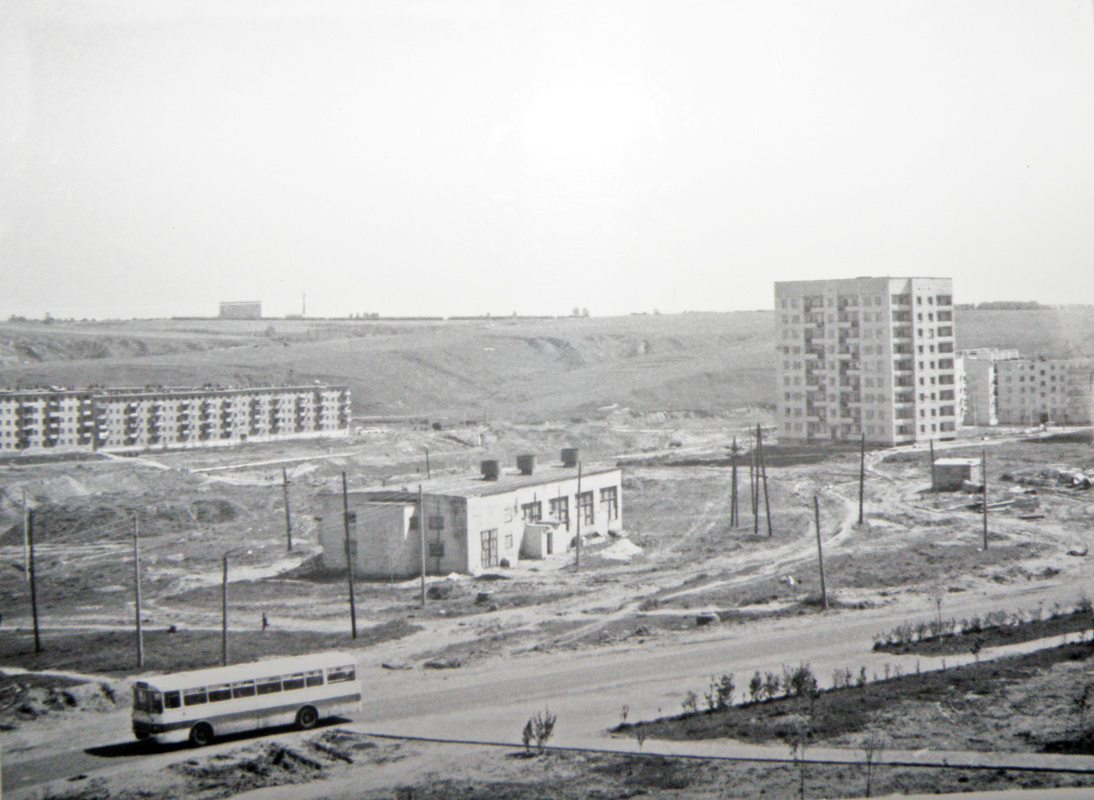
<point>473,523</point>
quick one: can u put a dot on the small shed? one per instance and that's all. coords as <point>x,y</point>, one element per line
<point>540,540</point>
<point>950,474</point>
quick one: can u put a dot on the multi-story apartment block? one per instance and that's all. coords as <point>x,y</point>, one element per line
<point>125,419</point>
<point>1035,391</point>
<point>979,384</point>
<point>866,356</point>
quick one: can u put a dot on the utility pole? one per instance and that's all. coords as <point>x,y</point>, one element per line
<point>137,590</point>
<point>763,474</point>
<point>224,614</point>
<point>820,551</point>
<point>349,555</point>
<point>861,476</point>
<point>421,535</point>
<point>428,472</point>
<point>288,518</point>
<point>931,442</point>
<point>26,543</point>
<point>33,583</point>
<point>984,469</point>
<point>577,556</point>
<point>752,484</point>
<point>733,516</point>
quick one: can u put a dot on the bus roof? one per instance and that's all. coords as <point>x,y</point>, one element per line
<point>285,665</point>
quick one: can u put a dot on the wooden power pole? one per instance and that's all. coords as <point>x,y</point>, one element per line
<point>984,469</point>
<point>577,552</point>
<point>137,590</point>
<point>349,555</point>
<point>763,475</point>
<point>861,476</point>
<point>33,582</point>
<point>288,516</point>
<point>820,552</point>
<point>421,535</point>
<point>733,516</point>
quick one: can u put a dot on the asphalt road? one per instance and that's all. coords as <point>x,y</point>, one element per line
<point>587,689</point>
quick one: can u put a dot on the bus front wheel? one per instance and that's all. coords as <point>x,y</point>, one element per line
<point>306,718</point>
<point>201,734</point>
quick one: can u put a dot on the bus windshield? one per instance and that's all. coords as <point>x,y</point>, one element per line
<point>147,700</point>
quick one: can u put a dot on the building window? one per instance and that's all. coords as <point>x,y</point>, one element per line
<point>609,498</point>
<point>508,542</point>
<point>585,508</point>
<point>560,510</point>
<point>436,523</point>
<point>532,512</point>
<point>490,548</point>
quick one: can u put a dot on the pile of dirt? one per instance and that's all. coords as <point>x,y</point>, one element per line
<point>28,696</point>
<point>273,764</point>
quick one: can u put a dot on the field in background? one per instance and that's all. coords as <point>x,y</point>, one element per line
<point>499,368</point>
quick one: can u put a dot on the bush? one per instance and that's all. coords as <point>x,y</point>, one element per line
<point>690,703</point>
<point>538,728</point>
<point>756,687</point>
<point>803,683</point>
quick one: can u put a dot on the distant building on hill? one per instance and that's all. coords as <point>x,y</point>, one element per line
<point>979,381</point>
<point>134,419</point>
<point>473,522</point>
<point>247,309</point>
<point>866,356</point>
<point>1035,391</point>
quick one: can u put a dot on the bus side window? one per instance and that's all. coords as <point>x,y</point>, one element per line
<point>336,674</point>
<point>194,697</point>
<point>314,677</point>
<point>269,685</point>
<point>219,692</point>
<point>171,699</point>
<point>243,689</point>
<point>293,682</point>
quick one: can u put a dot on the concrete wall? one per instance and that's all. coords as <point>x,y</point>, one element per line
<point>951,473</point>
<point>388,545</point>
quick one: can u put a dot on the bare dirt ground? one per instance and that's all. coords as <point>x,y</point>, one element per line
<point>680,560</point>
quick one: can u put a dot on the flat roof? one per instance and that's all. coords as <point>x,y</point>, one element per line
<point>472,485</point>
<point>285,665</point>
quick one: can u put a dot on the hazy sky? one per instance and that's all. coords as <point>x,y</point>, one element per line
<point>448,157</point>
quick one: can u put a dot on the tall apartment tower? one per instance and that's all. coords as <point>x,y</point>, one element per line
<point>871,356</point>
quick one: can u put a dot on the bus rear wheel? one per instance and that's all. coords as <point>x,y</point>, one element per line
<point>201,734</point>
<point>306,718</point>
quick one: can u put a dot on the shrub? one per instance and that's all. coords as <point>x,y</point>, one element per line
<point>756,687</point>
<point>803,683</point>
<point>771,685</point>
<point>1083,605</point>
<point>690,703</point>
<point>539,727</point>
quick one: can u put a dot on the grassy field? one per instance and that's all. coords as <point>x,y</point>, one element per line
<point>497,368</point>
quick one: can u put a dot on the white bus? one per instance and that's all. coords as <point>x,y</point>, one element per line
<point>204,703</point>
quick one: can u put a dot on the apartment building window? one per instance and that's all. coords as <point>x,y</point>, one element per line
<point>585,508</point>
<point>532,512</point>
<point>609,497</point>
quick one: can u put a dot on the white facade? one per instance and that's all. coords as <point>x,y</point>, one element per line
<point>866,356</point>
<point>1033,391</point>
<point>981,384</point>
<point>138,419</point>
<point>472,524</point>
